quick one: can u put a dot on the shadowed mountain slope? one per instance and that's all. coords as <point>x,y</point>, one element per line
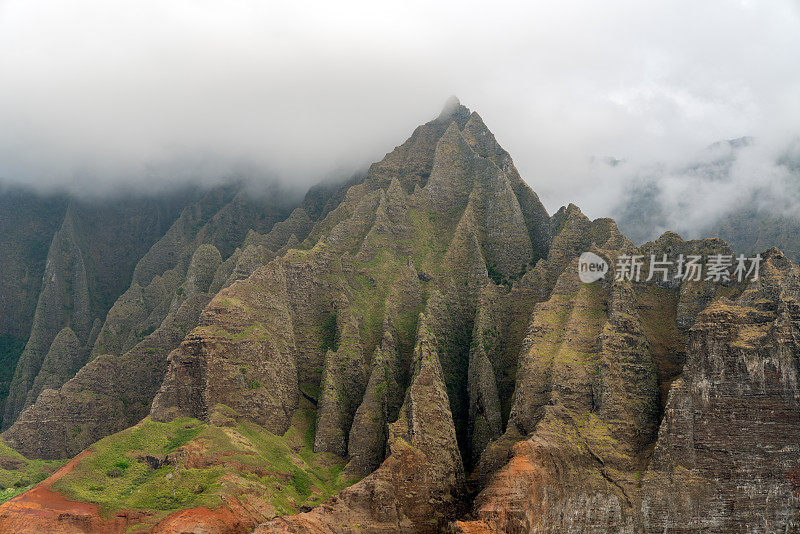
<point>65,262</point>
<point>124,362</point>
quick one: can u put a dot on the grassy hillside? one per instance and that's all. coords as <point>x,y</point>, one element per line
<point>18,474</point>
<point>163,467</point>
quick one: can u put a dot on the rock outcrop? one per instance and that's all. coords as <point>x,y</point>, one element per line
<point>603,437</point>
<point>337,320</point>
<point>420,485</point>
<point>726,458</point>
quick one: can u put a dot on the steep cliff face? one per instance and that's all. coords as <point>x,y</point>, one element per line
<point>594,449</point>
<point>63,302</point>
<point>420,484</point>
<point>726,458</point>
<point>585,409</point>
<point>27,224</point>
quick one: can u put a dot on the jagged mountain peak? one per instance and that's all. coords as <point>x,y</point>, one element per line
<point>453,108</point>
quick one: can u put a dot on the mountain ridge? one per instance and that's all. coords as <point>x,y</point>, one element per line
<point>457,375</point>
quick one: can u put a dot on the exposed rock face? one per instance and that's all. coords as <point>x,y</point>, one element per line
<point>419,487</point>
<point>338,320</point>
<point>555,407</point>
<point>108,394</point>
<point>221,363</point>
<point>726,458</point>
<point>28,222</point>
<point>65,357</point>
<point>587,403</point>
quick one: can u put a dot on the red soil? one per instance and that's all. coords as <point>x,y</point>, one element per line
<point>204,521</point>
<point>44,511</point>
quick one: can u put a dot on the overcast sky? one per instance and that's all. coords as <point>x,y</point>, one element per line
<point>98,93</point>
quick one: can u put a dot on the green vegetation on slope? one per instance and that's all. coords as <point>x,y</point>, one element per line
<point>18,474</point>
<point>186,463</point>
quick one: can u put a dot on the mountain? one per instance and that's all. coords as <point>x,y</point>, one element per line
<point>413,351</point>
<point>112,383</point>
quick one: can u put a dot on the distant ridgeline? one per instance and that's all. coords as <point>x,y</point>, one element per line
<point>755,223</point>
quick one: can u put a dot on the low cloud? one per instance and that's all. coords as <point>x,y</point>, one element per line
<point>97,95</point>
<point>732,178</point>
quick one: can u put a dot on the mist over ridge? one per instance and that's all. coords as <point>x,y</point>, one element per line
<point>141,96</point>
